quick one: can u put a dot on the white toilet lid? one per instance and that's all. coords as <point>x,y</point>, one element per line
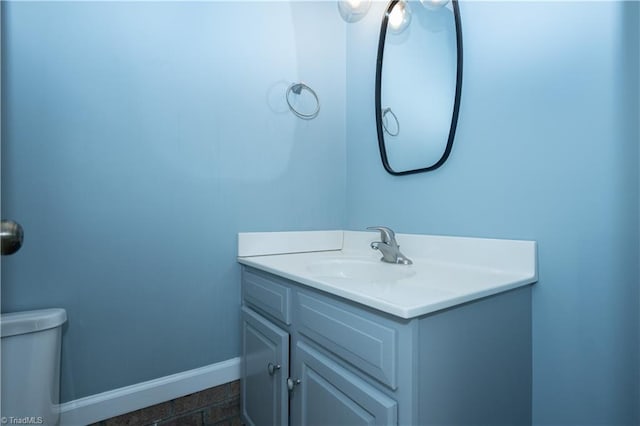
<point>30,321</point>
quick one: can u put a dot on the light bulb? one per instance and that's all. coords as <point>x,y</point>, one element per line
<point>353,10</point>
<point>434,4</point>
<point>399,17</point>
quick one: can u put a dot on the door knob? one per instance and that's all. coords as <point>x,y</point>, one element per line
<point>11,235</point>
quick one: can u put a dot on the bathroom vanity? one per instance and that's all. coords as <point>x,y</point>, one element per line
<point>332,336</point>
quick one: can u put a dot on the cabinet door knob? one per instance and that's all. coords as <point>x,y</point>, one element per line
<point>291,383</point>
<point>272,368</point>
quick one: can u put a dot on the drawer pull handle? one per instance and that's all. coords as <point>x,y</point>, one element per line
<point>272,368</point>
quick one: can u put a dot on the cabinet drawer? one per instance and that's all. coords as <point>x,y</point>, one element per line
<point>348,333</point>
<point>267,295</point>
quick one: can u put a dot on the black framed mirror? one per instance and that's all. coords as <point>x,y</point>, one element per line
<point>418,84</point>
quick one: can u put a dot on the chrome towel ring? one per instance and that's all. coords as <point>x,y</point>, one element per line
<point>297,88</point>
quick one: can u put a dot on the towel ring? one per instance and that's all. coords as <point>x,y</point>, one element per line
<point>297,89</point>
<point>384,122</point>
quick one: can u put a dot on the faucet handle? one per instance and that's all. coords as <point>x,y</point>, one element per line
<point>386,234</point>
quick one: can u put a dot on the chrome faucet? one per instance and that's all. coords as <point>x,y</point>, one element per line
<point>389,246</point>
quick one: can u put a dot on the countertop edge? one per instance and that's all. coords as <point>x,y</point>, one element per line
<point>373,303</point>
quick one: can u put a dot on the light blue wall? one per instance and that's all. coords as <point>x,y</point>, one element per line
<point>138,139</point>
<point>546,149</point>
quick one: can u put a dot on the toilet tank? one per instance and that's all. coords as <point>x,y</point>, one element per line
<point>30,370</point>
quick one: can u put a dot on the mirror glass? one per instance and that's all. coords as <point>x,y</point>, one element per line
<point>418,84</point>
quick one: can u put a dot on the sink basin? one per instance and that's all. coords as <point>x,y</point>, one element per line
<point>446,272</point>
<point>360,270</point>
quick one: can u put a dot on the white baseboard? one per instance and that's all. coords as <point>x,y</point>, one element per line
<point>112,403</point>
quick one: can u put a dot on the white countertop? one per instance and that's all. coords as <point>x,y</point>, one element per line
<point>446,271</point>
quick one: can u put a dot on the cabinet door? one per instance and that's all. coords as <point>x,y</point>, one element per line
<point>328,394</point>
<point>265,398</point>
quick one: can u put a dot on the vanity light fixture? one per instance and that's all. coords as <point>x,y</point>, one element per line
<point>353,10</point>
<point>399,17</point>
<point>434,4</point>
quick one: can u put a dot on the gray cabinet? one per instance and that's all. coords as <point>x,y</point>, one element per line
<point>331,395</point>
<point>265,369</point>
<point>470,364</point>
